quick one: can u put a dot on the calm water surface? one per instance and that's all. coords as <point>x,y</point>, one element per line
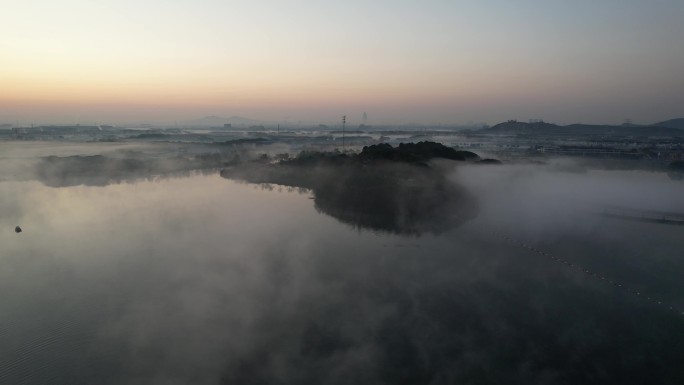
<point>202,280</point>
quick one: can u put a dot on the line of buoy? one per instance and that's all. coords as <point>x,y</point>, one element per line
<point>588,272</point>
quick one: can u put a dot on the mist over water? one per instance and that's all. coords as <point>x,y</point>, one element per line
<point>204,280</point>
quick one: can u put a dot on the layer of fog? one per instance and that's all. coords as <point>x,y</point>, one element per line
<point>62,164</point>
<point>201,280</point>
<point>542,195</point>
<point>561,211</point>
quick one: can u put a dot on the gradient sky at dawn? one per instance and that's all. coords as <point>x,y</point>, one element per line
<point>401,61</point>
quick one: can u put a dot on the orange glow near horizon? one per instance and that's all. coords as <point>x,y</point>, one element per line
<point>433,62</point>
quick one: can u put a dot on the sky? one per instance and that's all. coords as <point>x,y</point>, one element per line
<point>431,61</point>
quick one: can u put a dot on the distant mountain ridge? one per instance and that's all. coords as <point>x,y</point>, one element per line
<point>218,121</point>
<point>542,128</point>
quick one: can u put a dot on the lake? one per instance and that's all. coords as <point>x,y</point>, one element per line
<point>204,280</point>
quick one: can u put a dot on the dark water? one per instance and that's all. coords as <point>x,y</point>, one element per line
<point>202,280</point>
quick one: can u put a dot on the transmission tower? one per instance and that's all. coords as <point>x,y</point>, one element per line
<point>344,123</point>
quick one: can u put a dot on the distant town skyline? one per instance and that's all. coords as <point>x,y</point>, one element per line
<point>429,62</point>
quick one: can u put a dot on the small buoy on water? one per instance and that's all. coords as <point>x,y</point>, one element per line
<point>17,229</point>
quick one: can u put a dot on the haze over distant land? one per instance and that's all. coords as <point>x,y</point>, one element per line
<point>672,123</point>
<point>423,62</point>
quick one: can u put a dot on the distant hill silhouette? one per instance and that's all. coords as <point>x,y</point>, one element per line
<point>542,128</point>
<point>219,121</point>
<point>513,126</point>
<point>672,123</point>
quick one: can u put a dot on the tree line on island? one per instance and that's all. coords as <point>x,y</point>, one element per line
<point>403,189</point>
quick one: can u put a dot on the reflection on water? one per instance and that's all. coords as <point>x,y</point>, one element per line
<point>206,281</point>
<point>400,202</point>
<point>393,197</point>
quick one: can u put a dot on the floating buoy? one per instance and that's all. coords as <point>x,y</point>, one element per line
<point>17,229</point>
